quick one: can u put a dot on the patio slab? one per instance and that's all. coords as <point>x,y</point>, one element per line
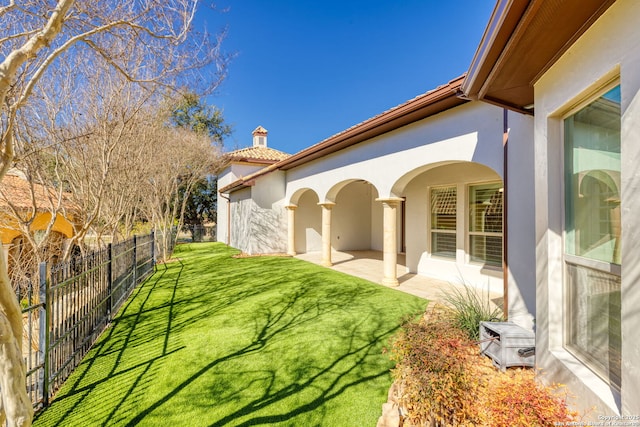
<point>368,265</point>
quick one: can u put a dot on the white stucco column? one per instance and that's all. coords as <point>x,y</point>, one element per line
<point>326,233</point>
<point>291,230</point>
<point>390,240</point>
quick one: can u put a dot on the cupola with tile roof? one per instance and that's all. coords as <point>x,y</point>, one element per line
<point>260,137</point>
<point>258,153</point>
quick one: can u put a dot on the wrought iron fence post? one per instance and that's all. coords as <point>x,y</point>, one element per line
<point>135,261</point>
<point>109,281</point>
<point>44,335</point>
<point>153,249</point>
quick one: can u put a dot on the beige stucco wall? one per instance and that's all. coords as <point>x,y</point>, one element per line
<point>231,173</point>
<point>521,220</point>
<point>308,234</point>
<point>352,217</point>
<point>608,49</point>
<point>222,215</point>
<point>470,132</point>
<point>395,164</point>
<point>258,216</point>
<point>357,217</point>
<point>463,145</point>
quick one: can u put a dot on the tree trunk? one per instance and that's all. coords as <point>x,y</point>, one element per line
<point>14,402</point>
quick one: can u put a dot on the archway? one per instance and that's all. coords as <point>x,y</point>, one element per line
<point>308,221</point>
<point>357,216</point>
<point>454,222</point>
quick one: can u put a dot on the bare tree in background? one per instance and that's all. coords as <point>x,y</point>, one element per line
<point>35,36</point>
<point>98,156</point>
<point>93,158</point>
<point>107,154</point>
<point>180,158</point>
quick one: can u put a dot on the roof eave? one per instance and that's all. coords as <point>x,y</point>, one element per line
<point>522,40</point>
<point>246,181</point>
<point>253,161</point>
<point>421,107</point>
<point>431,103</point>
<point>492,42</point>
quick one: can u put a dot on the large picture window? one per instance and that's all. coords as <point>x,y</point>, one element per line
<point>592,234</point>
<point>443,221</point>
<point>485,223</point>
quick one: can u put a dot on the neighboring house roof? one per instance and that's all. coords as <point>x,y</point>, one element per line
<point>260,155</point>
<point>430,103</point>
<point>16,189</point>
<point>522,40</point>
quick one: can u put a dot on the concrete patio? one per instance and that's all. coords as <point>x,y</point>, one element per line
<point>368,265</point>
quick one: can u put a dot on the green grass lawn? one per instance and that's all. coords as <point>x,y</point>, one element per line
<point>211,340</point>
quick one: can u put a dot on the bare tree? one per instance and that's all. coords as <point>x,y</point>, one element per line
<point>28,201</point>
<point>35,37</point>
<point>100,158</point>
<point>180,159</point>
<point>105,158</point>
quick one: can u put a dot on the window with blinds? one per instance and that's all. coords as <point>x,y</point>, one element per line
<point>485,223</point>
<point>443,221</point>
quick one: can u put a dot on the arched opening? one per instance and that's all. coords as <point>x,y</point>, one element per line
<point>454,224</point>
<point>308,221</point>
<point>357,217</point>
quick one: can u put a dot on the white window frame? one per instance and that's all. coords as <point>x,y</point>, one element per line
<point>454,232</point>
<point>468,223</point>
<point>598,265</point>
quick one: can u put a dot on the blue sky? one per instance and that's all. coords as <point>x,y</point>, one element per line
<point>306,70</point>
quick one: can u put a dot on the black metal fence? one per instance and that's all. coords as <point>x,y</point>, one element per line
<point>202,233</point>
<point>64,314</point>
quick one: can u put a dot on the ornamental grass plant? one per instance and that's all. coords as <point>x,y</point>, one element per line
<point>470,307</point>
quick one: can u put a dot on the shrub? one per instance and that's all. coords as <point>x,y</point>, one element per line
<point>436,369</point>
<point>443,380</point>
<point>516,399</point>
<point>470,308</point>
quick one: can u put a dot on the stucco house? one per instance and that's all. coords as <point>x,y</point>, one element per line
<point>30,204</point>
<point>243,216</point>
<point>424,179</point>
<point>511,177</point>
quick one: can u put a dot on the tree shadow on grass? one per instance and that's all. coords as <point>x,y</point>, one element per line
<point>74,384</point>
<point>330,378</point>
<point>279,303</point>
<point>336,375</point>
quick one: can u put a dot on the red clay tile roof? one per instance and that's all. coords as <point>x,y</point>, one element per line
<point>264,155</point>
<point>259,130</point>
<point>15,189</point>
